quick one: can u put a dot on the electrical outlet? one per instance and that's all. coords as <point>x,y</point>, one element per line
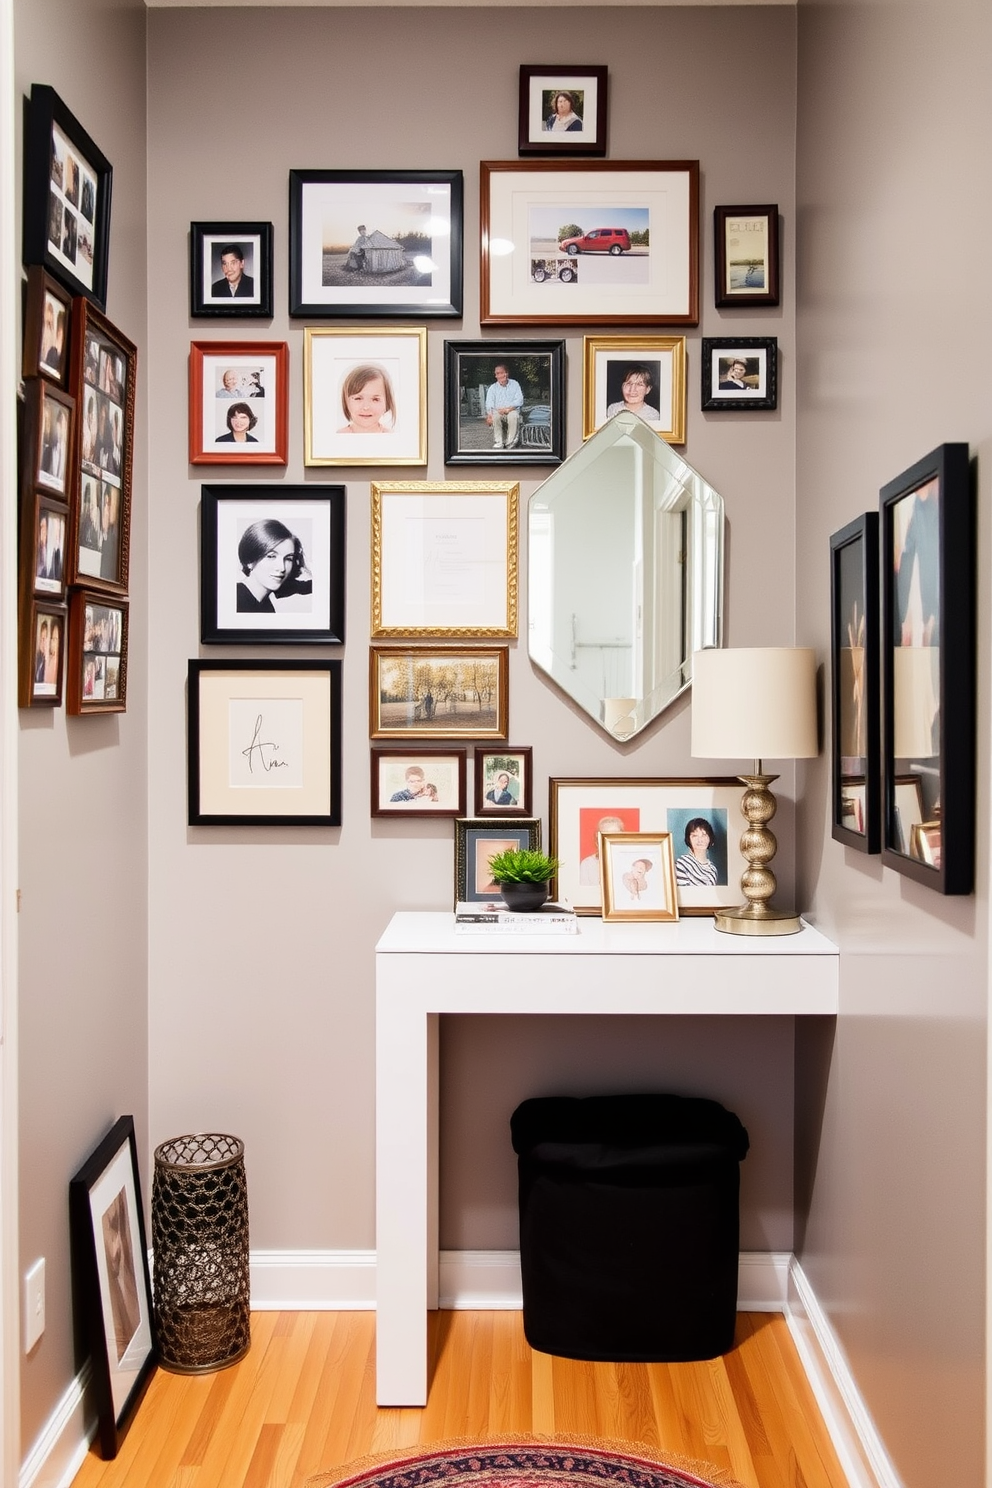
<point>34,1304</point>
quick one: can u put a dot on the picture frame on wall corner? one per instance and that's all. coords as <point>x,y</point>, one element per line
<point>97,660</point>
<point>41,653</point>
<point>927,538</point>
<point>562,110</point>
<point>230,270</point>
<point>854,685</point>
<point>67,190</point>
<point>746,256</point>
<point>103,379</point>
<point>238,403</point>
<point>47,327</point>
<point>739,373</point>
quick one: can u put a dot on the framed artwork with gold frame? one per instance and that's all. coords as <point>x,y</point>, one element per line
<point>438,692</point>
<point>640,374</point>
<point>365,395</point>
<point>444,559</point>
<point>638,876</point>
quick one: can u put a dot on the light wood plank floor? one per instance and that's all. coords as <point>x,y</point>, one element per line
<point>303,1401</point>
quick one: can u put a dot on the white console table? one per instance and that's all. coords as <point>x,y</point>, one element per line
<point>424,969</point>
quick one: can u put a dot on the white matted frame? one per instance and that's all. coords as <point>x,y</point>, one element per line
<point>444,559</point>
<point>264,743</point>
<point>233,384</point>
<point>582,130</point>
<point>650,370</point>
<point>638,876</point>
<point>647,275</point>
<point>365,395</point>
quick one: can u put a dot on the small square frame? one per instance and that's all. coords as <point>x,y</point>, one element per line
<point>67,188</point>
<point>47,304</point>
<point>43,573</point>
<point>97,662</point>
<point>103,381</point>
<point>477,841</point>
<point>746,255</point>
<point>757,388</point>
<point>607,362</point>
<point>538,368</point>
<point>209,292</point>
<point>107,1230</point>
<point>214,399</point>
<point>339,362</point>
<point>438,692</point>
<point>586,88</point>
<point>39,674</point>
<point>517,763</point>
<point>628,891</point>
<point>441,787</point>
<point>854,685</point>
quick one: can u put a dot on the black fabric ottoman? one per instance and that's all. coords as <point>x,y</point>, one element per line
<point>629,1225</point>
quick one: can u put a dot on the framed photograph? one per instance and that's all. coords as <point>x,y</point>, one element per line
<point>567,243</point>
<point>103,378</point>
<point>41,652</point>
<point>444,559</point>
<point>854,686</point>
<point>264,743</point>
<point>67,184</point>
<point>238,403</point>
<point>745,255</point>
<point>272,563</point>
<point>928,671</point>
<point>44,532</point>
<point>371,383</point>
<point>48,429</point>
<point>418,782</point>
<point>47,324</point>
<point>230,270</point>
<point>111,1284</point>
<point>704,819</point>
<point>562,111</point>
<point>504,779</point>
<point>638,876</point>
<point>380,243</point>
<point>476,844</point>
<point>504,403</point>
<point>97,653</point>
<point>635,374</point>
<point>740,373</point>
<point>438,692</point>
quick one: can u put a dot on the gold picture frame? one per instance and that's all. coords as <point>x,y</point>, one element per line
<point>638,876</point>
<point>436,574</point>
<point>438,692</point>
<point>654,368</point>
<point>381,421</point>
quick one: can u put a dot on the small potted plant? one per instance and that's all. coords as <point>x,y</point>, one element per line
<point>523,874</point>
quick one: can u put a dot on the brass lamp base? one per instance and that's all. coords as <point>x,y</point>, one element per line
<point>757,919</point>
<point>758,916</point>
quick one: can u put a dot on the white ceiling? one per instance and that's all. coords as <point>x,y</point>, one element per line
<point>464,4</point>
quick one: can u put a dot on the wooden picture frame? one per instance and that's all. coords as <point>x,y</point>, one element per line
<point>506,772</point>
<point>444,559</point>
<point>41,653</point>
<point>97,662</point>
<point>637,374</point>
<point>44,538</point>
<point>242,599</point>
<point>49,425</point>
<point>103,380</point>
<point>746,256</point>
<point>238,403</point>
<point>739,373</point>
<point>385,244</point>
<point>365,395</point>
<point>111,1284</point>
<point>854,685</point>
<point>230,270</point>
<point>438,692</point>
<point>249,721</point>
<point>579,810</point>
<point>476,431</point>
<point>418,782</point>
<point>476,842</point>
<point>633,261</point>
<point>67,189</point>
<point>47,327</point>
<point>638,876</point>
<point>576,96</point>
<point>927,520</point>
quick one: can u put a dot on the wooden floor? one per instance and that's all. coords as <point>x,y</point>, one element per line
<point>303,1400</point>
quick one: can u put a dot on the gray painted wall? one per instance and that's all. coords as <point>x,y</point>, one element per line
<point>894,322</point>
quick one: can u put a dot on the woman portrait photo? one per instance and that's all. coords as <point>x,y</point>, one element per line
<point>637,382</point>
<point>273,567</point>
<point>565,113</point>
<point>695,868</point>
<point>240,421</point>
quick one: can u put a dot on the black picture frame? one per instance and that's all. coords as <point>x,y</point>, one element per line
<point>247,719</point>
<point>928,667</point>
<point>67,190</point>
<point>854,685</point>
<point>231,517</point>
<point>586,87</point>
<point>329,205</point>
<point>746,256</point>
<point>471,835</point>
<point>538,369</point>
<point>111,1283</point>
<point>758,387</point>
<point>252,296</point>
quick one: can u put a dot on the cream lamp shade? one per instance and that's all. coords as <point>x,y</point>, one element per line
<point>754,703</point>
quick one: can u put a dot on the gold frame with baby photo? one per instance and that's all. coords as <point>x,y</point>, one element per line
<point>608,360</point>
<point>210,362</point>
<point>339,366</point>
<point>624,890</point>
<point>103,377</point>
<point>440,775</point>
<point>42,293</point>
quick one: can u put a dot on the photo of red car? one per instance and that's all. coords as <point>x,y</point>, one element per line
<point>601,240</point>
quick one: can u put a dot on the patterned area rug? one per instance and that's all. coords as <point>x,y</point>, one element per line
<point>527,1462</point>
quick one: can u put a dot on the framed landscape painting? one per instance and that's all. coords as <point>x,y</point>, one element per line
<point>438,692</point>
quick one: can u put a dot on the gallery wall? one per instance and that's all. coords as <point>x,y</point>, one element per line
<point>261,1003</point>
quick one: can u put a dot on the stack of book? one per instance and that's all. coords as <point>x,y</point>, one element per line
<point>495,919</point>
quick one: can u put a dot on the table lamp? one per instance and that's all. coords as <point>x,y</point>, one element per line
<point>758,703</point>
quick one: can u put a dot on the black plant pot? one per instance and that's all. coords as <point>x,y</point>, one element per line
<point>523,897</point>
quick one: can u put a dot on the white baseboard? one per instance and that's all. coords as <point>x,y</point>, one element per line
<point>59,1452</point>
<point>312,1280</point>
<point>853,1432</point>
